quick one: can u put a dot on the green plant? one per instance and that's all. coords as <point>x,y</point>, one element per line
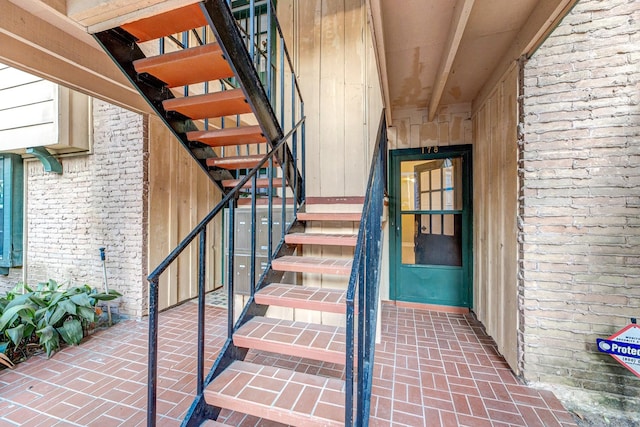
<point>51,312</point>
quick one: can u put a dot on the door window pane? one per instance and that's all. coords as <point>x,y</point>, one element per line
<point>431,184</point>
<point>432,239</point>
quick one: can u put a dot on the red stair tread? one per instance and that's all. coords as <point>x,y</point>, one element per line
<point>217,104</point>
<point>212,423</point>
<point>278,394</point>
<point>236,162</point>
<point>305,297</point>
<point>321,239</point>
<point>329,216</point>
<point>187,66</point>
<point>261,183</point>
<point>305,264</point>
<point>313,341</point>
<point>164,24</point>
<point>228,136</point>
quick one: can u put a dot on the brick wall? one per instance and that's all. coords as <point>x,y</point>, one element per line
<point>98,201</point>
<point>580,216</point>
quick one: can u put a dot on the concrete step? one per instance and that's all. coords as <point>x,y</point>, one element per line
<point>167,23</point>
<point>238,162</point>
<point>305,297</point>
<point>305,264</point>
<point>260,183</point>
<point>279,394</point>
<point>321,239</point>
<point>329,216</point>
<point>228,136</point>
<point>309,340</point>
<point>210,105</point>
<point>212,423</point>
<point>187,66</point>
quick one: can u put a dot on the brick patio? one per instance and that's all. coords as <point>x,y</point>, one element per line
<point>431,369</point>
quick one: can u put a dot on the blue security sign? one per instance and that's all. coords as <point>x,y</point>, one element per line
<point>618,348</point>
<point>624,346</point>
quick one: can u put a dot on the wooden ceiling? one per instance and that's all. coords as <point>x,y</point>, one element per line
<point>441,52</point>
<point>430,52</point>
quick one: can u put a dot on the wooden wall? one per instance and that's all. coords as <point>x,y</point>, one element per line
<point>180,195</point>
<point>495,200</point>
<point>335,64</point>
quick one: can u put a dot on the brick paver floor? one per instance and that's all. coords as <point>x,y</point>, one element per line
<point>431,369</point>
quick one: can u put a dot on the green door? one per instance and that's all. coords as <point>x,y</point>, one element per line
<point>430,219</point>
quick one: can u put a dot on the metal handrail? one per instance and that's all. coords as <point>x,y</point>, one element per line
<point>279,136</point>
<point>364,279</point>
<point>154,277</point>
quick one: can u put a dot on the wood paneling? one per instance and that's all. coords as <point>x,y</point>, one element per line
<point>35,112</point>
<point>26,101</point>
<point>336,77</point>
<point>180,195</point>
<point>57,50</point>
<point>495,185</point>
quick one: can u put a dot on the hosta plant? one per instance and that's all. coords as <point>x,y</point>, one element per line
<point>51,312</point>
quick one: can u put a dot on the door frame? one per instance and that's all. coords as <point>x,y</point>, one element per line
<point>395,241</point>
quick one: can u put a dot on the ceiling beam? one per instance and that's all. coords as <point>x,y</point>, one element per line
<point>377,35</point>
<point>458,24</point>
<point>34,45</point>
<point>544,18</point>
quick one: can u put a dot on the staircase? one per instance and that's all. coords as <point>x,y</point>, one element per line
<point>199,72</point>
<point>276,393</point>
<point>217,109</point>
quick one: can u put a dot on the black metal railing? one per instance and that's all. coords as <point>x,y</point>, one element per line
<point>251,45</point>
<point>284,165</point>
<point>363,290</point>
<point>229,200</point>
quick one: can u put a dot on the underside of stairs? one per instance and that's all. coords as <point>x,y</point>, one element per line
<point>217,108</point>
<point>193,66</point>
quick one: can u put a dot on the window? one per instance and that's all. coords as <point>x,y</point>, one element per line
<point>11,211</point>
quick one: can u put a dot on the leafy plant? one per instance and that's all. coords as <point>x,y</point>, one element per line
<point>51,312</point>
<point>4,359</point>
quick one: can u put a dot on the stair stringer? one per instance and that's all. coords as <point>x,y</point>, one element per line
<point>123,50</point>
<point>223,24</point>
